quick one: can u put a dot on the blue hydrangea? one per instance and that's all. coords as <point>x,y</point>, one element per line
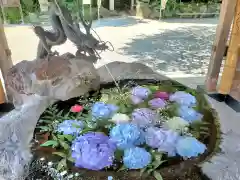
<point>189,114</point>
<point>188,147</point>
<point>136,158</point>
<point>101,110</point>
<point>144,117</point>
<point>126,135</point>
<point>71,127</point>
<point>183,98</point>
<point>161,139</point>
<point>110,178</point>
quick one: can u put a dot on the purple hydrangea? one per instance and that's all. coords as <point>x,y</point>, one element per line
<point>136,158</point>
<point>126,135</point>
<point>157,103</point>
<point>139,94</point>
<point>101,110</point>
<point>71,127</point>
<point>190,147</point>
<point>93,150</point>
<point>183,98</point>
<point>161,139</point>
<point>189,114</point>
<point>144,117</point>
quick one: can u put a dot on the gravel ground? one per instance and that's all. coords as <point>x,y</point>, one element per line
<point>170,47</point>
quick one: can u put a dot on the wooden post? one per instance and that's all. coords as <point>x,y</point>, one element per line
<point>5,56</point>
<point>235,88</point>
<point>223,28</point>
<point>230,66</point>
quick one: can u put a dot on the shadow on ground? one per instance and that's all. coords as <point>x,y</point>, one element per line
<point>186,49</point>
<point>117,22</point>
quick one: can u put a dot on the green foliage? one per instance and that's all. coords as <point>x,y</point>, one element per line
<point>200,129</point>
<point>151,169</point>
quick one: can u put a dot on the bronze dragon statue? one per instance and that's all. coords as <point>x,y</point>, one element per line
<point>65,27</point>
<point>48,38</point>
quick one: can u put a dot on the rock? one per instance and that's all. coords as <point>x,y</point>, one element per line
<point>122,70</point>
<point>143,10</point>
<point>16,132</point>
<point>60,78</point>
<point>34,86</point>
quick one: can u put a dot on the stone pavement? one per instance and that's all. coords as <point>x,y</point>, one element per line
<point>177,48</point>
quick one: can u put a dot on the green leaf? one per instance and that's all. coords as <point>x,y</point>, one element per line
<point>156,164</point>
<point>45,121</point>
<point>86,130</point>
<point>64,145</point>
<point>65,136</point>
<point>158,156</point>
<point>44,128</point>
<point>62,164</point>
<point>123,108</point>
<point>122,168</point>
<point>142,171</point>
<point>76,126</point>
<point>71,159</point>
<point>54,137</point>
<point>59,114</point>
<point>66,115</point>
<point>118,155</point>
<point>202,128</point>
<point>61,154</point>
<point>50,143</point>
<point>157,175</point>
<point>149,171</point>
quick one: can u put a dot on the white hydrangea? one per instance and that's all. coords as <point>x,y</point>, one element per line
<point>176,124</point>
<point>120,118</point>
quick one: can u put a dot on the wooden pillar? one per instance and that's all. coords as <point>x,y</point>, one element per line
<point>111,5</point>
<point>219,46</point>
<point>5,57</point>
<point>231,72</point>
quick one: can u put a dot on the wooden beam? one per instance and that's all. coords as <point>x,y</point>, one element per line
<point>5,54</point>
<point>222,33</point>
<point>230,65</point>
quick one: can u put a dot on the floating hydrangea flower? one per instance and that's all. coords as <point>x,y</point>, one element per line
<point>183,98</point>
<point>126,135</point>
<point>189,114</point>
<point>176,124</point>
<point>93,150</point>
<point>120,118</point>
<point>190,147</point>
<point>136,158</point>
<point>110,178</point>
<point>144,117</point>
<point>157,103</point>
<point>76,108</point>
<point>163,140</point>
<point>101,110</point>
<point>139,94</point>
<point>162,95</point>
<point>71,127</point>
